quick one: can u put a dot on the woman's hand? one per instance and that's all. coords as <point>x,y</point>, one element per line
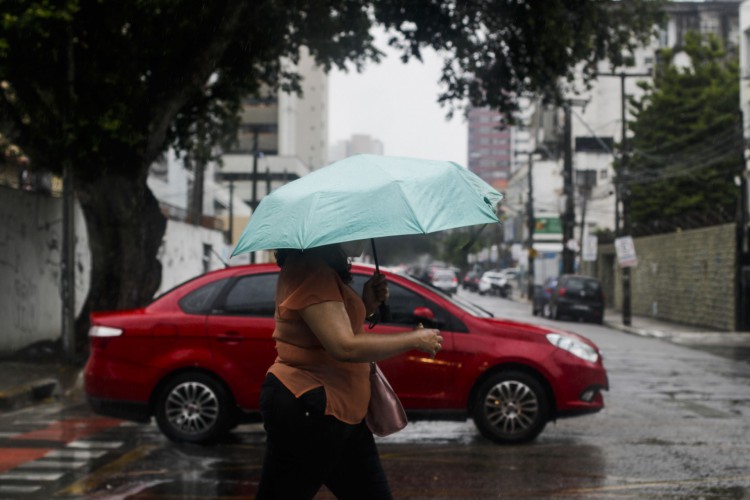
<point>430,340</point>
<point>375,292</point>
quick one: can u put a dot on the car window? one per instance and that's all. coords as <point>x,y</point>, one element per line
<point>253,295</point>
<point>403,301</point>
<point>444,275</point>
<point>579,284</point>
<point>200,301</point>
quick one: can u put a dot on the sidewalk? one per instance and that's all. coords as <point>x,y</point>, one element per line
<point>36,374</point>
<point>734,345</point>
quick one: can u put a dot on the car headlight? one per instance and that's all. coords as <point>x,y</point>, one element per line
<point>573,346</point>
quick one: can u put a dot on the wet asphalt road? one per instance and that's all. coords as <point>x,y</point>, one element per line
<point>676,425</point>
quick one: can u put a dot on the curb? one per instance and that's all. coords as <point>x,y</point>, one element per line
<point>29,394</point>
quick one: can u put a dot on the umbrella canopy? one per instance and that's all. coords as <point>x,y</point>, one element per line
<point>369,196</point>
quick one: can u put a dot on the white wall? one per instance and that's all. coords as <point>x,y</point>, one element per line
<point>30,255</point>
<point>182,253</point>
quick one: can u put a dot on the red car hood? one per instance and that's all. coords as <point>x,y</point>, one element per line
<point>519,330</point>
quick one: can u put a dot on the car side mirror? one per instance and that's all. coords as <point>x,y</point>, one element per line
<point>424,313</point>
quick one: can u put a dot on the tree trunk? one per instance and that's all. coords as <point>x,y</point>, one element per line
<point>125,230</point>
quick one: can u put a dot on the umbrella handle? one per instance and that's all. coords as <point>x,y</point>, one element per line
<point>383,308</point>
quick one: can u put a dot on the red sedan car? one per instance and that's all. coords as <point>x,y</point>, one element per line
<point>195,359</point>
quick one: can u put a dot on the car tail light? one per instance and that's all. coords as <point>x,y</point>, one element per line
<point>561,292</point>
<point>100,335</point>
<point>455,280</point>
<point>104,331</point>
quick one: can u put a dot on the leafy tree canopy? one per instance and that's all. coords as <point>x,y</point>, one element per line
<point>686,144</point>
<point>104,87</point>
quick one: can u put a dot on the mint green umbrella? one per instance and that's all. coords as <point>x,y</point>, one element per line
<point>369,196</point>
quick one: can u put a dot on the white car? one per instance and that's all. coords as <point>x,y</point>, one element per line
<point>498,282</point>
<point>445,280</point>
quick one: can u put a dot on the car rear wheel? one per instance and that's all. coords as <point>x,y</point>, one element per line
<point>511,407</point>
<point>195,408</point>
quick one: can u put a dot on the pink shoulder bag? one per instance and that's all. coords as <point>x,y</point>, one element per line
<point>385,415</point>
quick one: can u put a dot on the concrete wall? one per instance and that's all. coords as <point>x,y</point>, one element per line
<point>30,253</point>
<point>686,277</point>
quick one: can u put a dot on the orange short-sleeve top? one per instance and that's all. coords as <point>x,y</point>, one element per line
<point>302,363</point>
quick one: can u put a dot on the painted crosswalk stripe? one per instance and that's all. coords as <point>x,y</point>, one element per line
<point>72,453</point>
<point>19,489</point>
<point>31,476</point>
<point>52,464</point>
<point>7,434</point>
<point>108,445</point>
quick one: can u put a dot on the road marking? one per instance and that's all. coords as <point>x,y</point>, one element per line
<point>108,445</point>
<point>52,464</point>
<point>100,476</point>
<point>19,489</point>
<point>32,476</point>
<point>72,453</point>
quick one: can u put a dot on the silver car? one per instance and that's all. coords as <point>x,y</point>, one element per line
<point>445,280</point>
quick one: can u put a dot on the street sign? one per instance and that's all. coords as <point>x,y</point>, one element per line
<point>625,249</point>
<point>590,243</point>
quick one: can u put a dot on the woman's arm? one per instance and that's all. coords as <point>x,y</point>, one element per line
<point>330,323</point>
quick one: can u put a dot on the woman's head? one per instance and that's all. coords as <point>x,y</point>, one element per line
<point>333,255</point>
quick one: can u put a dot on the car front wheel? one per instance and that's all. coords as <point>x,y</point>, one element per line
<point>195,408</point>
<point>511,407</point>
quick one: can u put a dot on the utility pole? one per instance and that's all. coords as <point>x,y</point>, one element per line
<point>254,200</point>
<point>625,194</point>
<point>230,233</point>
<point>622,193</point>
<point>67,285</point>
<point>532,224</point>
<point>742,272</point>
<point>569,216</point>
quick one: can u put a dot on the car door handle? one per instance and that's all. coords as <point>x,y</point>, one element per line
<point>230,336</point>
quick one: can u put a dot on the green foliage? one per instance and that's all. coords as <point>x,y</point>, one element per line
<point>107,86</point>
<point>686,147</point>
<point>497,50</point>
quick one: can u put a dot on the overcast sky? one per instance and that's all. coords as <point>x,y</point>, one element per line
<point>396,103</point>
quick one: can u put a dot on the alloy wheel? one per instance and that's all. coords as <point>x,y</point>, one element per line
<point>512,407</point>
<point>192,407</point>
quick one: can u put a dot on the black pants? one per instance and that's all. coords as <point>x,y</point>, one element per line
<point>306,449</point>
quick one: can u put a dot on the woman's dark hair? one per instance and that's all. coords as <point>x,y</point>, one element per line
<point>333,255</point>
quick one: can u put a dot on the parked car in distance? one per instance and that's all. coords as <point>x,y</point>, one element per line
<point>445,280</point>
<point>471,281</point>
<point>498,282</point>
<point>195,358</point>
<point>488,282</point>
<point>542,294</point>
<point>579,297</point>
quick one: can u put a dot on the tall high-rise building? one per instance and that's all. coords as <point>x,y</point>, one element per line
<point>490,147</point>
<point>282,136</point>
<point>356,144</point>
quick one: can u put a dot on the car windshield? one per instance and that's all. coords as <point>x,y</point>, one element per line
<point>472,309</point>
<point>444,275</point>
<point>578,284</point>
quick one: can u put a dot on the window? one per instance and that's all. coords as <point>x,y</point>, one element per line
<point>200,301</point>
<point>403,302</point>
<point>253,295</point>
